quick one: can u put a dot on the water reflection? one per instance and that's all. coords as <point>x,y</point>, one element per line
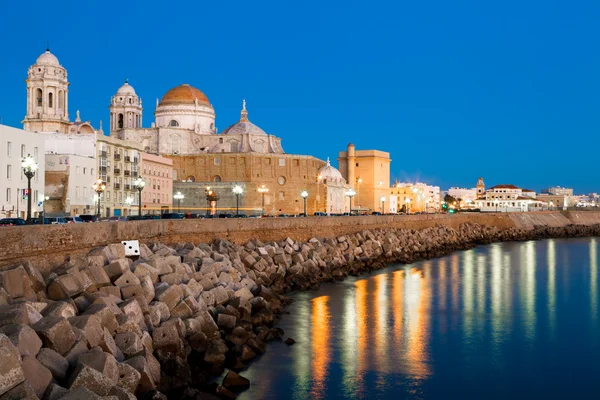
<point>471,325</point>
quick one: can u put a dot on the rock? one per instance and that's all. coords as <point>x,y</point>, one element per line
<point>226,322</point>
<point>77,350</point>
<point>166,337</point>
<point>11,372</point>
<point>289,341</point>
<point>171,296</point>
<point>55,392</point>
<point>127,279</point>
<point>61,309</point>
<point>121,394</point>
<point>56,364</point>
<point>106,315</point>
<point>129,343</point>
<point>64,287</point>
<point>56,333</point>
<point>20,392</point>
<point>141,365</point>
<point>102,362</point>
<point>116,268</point>
<point>36,375</point>
<point>14,314</point>
<point>235,381</point>
<point>90,325</point>
<point>224,393</point>
<point>80,393</point>
<point>108,345</point>
<point>24,338</point>
<point>16,283</point>
<point>128,377</point>
<point>91,379</point>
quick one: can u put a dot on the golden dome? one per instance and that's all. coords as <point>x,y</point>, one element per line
<point>184,94</point>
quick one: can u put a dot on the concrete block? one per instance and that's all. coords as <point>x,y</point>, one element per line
<point>23,391</point>
<point>116,268</point>
<point>141,365</point>
<point>76,351</point>
<point>91,379</point>
<point>220,295</point>
<point>102,362</point>
<point>11,372</point>
<point>38,376</point>
<point>111,290</point>
<point>108,345</point>
<point>61,309</point>
<point>56,364</point>
<point>129,343</point>
<point>106,315</point>
<point>24,338</point>
<point>171,296</point>
<point>127,279</point>
<point>181,310</point>
<point>55,392</point>
<point>132,248</point>
<point>16,283</point>
<point>128,377</point>
<point>91,326</point>
<point>64,287</point>
<point>132,309</point>
<point>226,322</point>
<point>98,275</point>
<point>81,393</point>
<point>56,333</point>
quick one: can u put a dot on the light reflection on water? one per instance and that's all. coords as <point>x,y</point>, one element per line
<point>499,321</point>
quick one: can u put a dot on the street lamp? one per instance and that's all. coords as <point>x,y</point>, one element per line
<point>263,190</point>
<point>29,167</point>
<point>129,202</point>
<point>139,183</point>
<point>350,193</point>
<point>237,190</point>
<point>407,205</point>
<point>178,196</point>
<point>551,205</point>
<point>304,195</point>
<point>99,188</point>
<point>383,204</point>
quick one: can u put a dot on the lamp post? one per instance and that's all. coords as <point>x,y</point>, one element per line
<point>407,201</point>
<point>129,202</point>
<point>304,195</point>
<point>551,205</point>
<point>237,190</point>
<point>263,190</point>
<point>350,193</point>
<point>139,183</point>
<point>383,204</point>
<point>99,188</point>
<point>178,196</point>
<point>29,167</point>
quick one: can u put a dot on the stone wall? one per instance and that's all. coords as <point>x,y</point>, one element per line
<point>46,247</point>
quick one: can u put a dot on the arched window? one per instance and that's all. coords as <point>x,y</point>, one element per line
<point>120,123</point>
<point>212,126</point>
<point>50,100</point>
<point>217,178</point>
<point>173,123</point>
<point>220,140</point>
<point>191,178</point>
<point>130,100</point>
<point>38,95</point>
<point>61,100</point>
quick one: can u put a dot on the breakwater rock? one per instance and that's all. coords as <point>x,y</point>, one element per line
<point>104,325</point>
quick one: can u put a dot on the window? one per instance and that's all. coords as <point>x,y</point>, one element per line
<point>77,192</point>
<point>77,170</point>
<point>84,170</point>
<point>85,193</point>
<point>120,122</point>
<point>22,150</point>
<point>173,123</point>
<point>38,95</point>
<point>217,160</point>
<point>92,171</point>
<point>50,100</point>
<point>281,195</point>
<point>282,162</point>
<point>8,195</point>
<point>8,171</point>
<point>35,153</point>
<point>8,149</point>
<point>297,162</point>
<point>107,195</point>
<point>61,100</point>
<point>221,140</point>
<point>357,164</point>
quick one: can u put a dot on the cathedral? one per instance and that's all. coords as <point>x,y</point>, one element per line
<point>183,131</point>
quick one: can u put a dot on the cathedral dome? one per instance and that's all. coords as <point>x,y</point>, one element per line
<point>47,58</point>
<point>126,89</point>
<point>329,172</point>
<point>244,126</point>
<point>184,94</point>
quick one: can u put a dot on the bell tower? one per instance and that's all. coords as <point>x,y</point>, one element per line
<point>47,96</point>
<point>480,188</point>
<point>125,109</point>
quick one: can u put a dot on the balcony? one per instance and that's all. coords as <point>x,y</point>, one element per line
<point>135,159</point>
<point>117,157</point>
<point>127,187</point>
<point>127,159</point>
<point>126,172</point>
<point>117,186</point>
<point>103,154</point>
<point>153,186</point>
<point>134,174</point>
<point>103,170</point>
<point>117,171</point>
<point>158,187</point>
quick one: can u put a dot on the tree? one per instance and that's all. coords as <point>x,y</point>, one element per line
<point>449,199</point>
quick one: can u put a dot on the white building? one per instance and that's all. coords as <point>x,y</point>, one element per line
<point>334,188</point>
<point>558,191</point>
<point>508,198</point>
<point>14,145</point>
<point>432,196</point>
<point>466,195</point>
<point>69,180</point>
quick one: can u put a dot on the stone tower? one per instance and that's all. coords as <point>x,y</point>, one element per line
<point>47,96</point>
<point>480,188</point>
<point>351,165</point>
<point>125,109</point>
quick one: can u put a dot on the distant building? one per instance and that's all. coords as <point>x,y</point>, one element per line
<point>559,191</point>
<point>508,198</point>
<point>334,191</point>
<point>15,144</point>
<point>157,171</point>
<point>466,195</point>
<point>480,188</point>
<point>68,184</point>
<point>368,173</point>
<point>414,197</point>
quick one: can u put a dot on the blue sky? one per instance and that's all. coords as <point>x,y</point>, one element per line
<point>452,89</point>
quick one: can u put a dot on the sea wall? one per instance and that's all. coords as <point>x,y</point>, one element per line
<point>47,246</point>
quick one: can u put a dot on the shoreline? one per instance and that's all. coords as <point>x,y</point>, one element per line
<point>179,315</point>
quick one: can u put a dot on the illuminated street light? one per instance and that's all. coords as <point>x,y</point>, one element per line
<point>99,187</point>
<point>178,196</point>
<point>139,183</point>
<point>304,195</point>
<point>237,190</point>
<point>350,193</point>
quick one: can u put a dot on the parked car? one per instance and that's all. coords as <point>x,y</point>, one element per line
<point>320,214</point>
<point>283,216</point>
<point>74,220</point>
<point>89,218</point>
<point>375,213</point>
<point>150,216</point>
<point>171,216</point>
<point>302,215</point>
<point>12,222</point>
<point>191,216</point>
<point>56,220</point>
<point>240,216</point>
<point>134,218</point>
<point>225,215</point>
